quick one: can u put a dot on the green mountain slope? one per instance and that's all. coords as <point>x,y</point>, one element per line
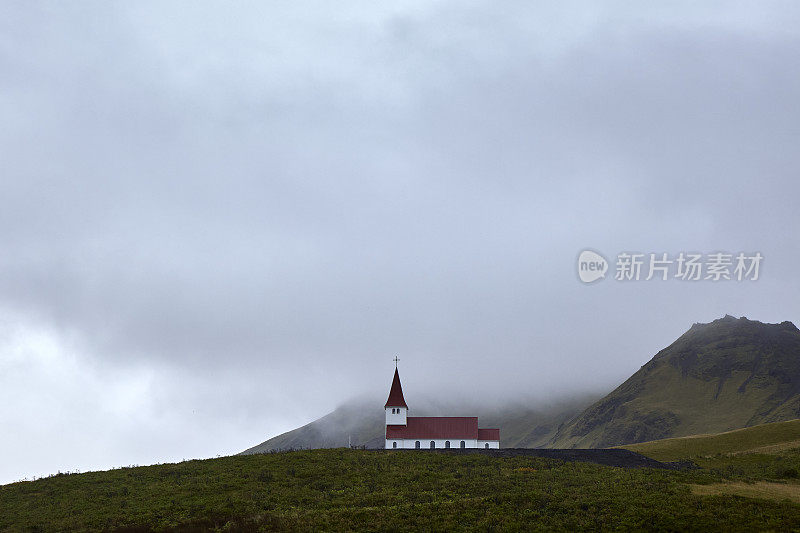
<point>728,374</point>
<point>363,423</point>
<point>773,438</point>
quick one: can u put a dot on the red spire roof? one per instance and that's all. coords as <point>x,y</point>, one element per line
<point>396,393</point>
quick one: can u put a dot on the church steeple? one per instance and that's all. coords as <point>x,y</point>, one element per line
<point>396,409</point>
<point>396,393</point>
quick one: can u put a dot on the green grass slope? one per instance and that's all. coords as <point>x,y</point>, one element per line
<point>764,439</point>
<point>757,462</point>
<point>354,490</point>
<point>728,374</point>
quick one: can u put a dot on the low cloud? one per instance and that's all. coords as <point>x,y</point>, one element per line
<point>218,225</point>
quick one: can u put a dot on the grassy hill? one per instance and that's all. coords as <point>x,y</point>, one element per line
<point>339,489</point>
<point>762,439</point>
<point>757,462</point>
<point>728,374</point>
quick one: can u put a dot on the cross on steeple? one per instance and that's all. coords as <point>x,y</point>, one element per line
<point>396,359</point>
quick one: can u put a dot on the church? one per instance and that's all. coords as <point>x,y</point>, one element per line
<point>405,432</point>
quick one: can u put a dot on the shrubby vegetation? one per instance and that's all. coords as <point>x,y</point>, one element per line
<point>341,489</point>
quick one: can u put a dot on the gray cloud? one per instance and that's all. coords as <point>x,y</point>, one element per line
<point>245,212</point>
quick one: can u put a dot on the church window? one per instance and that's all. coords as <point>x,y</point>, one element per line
<point>433,444</point>
<point>394,445</point>
<point>486,445</point>
<point>463,444</point>
<point>416,445</point>
<point>447,444</point>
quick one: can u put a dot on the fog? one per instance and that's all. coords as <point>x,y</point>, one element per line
<point>220,221</point>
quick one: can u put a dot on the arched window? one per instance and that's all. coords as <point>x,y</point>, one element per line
<point>433,444</point>
<point>392,410</point>
<point>463,444</point>
<point>416,445</point>
<point>486,445</point>
<point>447,444</point>
<point>394,445</point>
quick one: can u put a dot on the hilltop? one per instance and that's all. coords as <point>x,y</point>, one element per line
<point>730,373</point>
<point>361,490</point>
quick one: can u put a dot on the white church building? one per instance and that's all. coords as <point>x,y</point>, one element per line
<point>432,432</point>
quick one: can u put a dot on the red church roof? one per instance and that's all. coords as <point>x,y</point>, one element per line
<point>396,393</point>
<point>488,434</point>
<point>436,427</point>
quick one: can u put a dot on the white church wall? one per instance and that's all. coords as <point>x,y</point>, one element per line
<point>425,444</point>
<point>396,418</point>
<point>493,444</point>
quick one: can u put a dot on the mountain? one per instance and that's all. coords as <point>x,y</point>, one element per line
<point>727,374</point>
<point>362,421</point>
<point>353,422</point>
<point>724,375</point>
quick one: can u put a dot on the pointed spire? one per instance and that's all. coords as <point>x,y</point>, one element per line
<point>396,393</point>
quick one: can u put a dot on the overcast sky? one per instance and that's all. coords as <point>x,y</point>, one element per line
<point>218,221</point>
